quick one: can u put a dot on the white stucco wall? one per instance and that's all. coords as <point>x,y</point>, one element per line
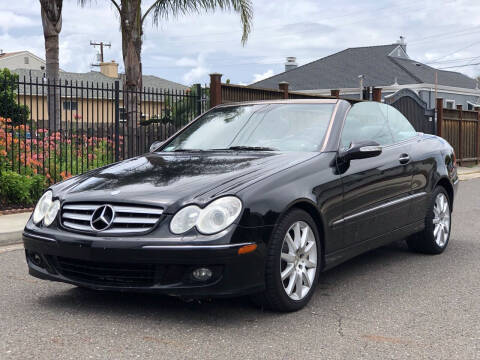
<point>17,61</point>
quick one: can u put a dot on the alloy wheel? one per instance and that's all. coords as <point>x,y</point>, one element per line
<point>441,220</point>
<point>298,265</point>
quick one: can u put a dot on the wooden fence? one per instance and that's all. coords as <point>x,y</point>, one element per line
<point>227,93</point>
<point>461,128</point>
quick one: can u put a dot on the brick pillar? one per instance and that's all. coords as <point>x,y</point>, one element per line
<point>377,94</point>
<point>335,93</point>
<point>215,89</point>
<point>439,109</point>
<point>283,86</point>
<point>460,134</point>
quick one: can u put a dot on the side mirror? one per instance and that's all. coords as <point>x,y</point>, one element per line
<point>361,150</point>
<point>156,145</point>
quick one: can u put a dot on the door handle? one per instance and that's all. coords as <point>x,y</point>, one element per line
<point>404,158</point>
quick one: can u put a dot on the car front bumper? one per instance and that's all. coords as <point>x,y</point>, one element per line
<point>124,266</point>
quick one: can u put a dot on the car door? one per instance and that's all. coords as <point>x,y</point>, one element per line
<point>421,161</point>
<point>376,189</point>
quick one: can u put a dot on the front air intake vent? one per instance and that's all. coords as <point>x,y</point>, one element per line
<point>109,219</point>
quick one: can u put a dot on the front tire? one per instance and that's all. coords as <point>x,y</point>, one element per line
<point>434,238</point>
<point>293,263</point>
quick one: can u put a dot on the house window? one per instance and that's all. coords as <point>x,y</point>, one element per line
<point>70,105</point>
<point>26,60</point>
<point>450,104</point>
<point>471,106</point>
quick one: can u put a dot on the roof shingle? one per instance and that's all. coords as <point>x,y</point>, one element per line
<point>341,70</point>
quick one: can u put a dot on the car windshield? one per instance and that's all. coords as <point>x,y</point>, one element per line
<point>282,127</point>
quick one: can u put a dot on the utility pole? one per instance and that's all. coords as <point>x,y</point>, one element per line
<point>102,45</point>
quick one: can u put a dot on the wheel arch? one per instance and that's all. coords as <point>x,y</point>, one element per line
<point>309,207</point>
<point>447,185</point>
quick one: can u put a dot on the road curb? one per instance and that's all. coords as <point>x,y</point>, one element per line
<point>11,238</point>
<point>467,173</point>
<point>11,228</point>
<point>469,176</point>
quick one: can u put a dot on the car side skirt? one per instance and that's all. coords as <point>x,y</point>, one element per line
<point>340,256</point>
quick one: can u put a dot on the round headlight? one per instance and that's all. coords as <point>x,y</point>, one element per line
<point>185,219</point>
<point>219,214</point>
<point>51,213</point>
<point>42,207</point>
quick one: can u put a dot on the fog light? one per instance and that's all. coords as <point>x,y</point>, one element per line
<point>202,274</point>
<point>36,259</point>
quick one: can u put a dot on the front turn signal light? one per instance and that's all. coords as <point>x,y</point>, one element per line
<point>247,249</point>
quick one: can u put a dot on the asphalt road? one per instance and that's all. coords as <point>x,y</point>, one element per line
<point>387,304</point>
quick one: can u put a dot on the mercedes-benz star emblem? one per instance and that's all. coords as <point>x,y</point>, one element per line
<point>102,218</point>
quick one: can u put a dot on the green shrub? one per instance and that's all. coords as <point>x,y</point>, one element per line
<point>37,188</point>
<point>16,189</point>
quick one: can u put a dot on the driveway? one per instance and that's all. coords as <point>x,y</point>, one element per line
<point>387,304</point>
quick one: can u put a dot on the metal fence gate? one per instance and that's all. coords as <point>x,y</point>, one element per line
<point>414,109</point>
<point>64,128</point>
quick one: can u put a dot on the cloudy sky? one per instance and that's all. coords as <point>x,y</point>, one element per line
<point>443,33</point>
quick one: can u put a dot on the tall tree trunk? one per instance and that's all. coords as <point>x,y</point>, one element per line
<point>52,25</point>
<point>131,25</point>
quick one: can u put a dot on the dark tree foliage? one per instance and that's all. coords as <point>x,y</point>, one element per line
<point>9,108</point>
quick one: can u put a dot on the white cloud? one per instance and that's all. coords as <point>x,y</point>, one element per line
<point>196,75</point>
<point>266,74</point>
<point>199,69</point>
<point>185,61</point>
<point>10,20</point>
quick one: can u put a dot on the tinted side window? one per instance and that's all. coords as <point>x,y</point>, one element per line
<point>399,125</point>
<point>366,121</point>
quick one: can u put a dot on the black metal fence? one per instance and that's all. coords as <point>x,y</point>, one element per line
<point>64,128</point>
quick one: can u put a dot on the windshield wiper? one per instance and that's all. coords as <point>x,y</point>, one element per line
<point>188,150</point>
<point>249,148</point>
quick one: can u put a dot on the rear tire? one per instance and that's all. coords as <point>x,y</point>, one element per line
<point>434,238</point>
<point>292,265</point>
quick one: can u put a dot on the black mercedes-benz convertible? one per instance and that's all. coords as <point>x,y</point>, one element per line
<point>255,198</point>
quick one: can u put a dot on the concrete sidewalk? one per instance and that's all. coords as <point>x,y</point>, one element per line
<point>467,173</point>
<point>11,227</point>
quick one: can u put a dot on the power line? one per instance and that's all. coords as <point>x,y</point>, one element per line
<point>447,34</point>
<point>453,60</point>
<point>454,52</point>
<point>459,66</point>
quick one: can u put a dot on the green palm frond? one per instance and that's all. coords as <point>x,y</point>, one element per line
<point>163,9</point>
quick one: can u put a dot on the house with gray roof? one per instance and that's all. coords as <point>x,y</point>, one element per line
<point>107,76</point>
<point>90,96</point>
<point>387,67</point>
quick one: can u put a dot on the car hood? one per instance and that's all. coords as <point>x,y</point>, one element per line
<point>172,180</point>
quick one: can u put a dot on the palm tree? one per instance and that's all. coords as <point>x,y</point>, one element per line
<point>131,25</point>
<point>51,11</point>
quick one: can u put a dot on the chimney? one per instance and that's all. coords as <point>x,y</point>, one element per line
<point>291,63</point>
<point>403,43</point>
<point>109,69</point>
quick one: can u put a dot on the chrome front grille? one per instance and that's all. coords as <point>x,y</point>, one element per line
<point>126,219</point>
